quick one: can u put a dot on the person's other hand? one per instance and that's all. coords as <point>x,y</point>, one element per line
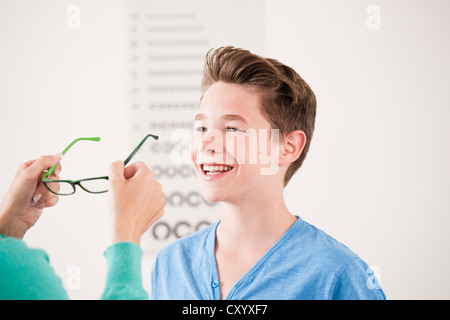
<point>136,201</point>
<point>27,196</point>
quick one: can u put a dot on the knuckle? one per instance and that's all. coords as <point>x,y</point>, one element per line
<point>22,166</point>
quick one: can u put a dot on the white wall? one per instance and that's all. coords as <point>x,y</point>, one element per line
<point>376,177</point>
<point>57,84</point>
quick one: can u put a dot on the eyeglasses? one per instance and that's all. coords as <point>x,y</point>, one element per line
<point>91,185</point>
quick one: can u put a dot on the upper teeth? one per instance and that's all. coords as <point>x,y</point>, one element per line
<point>216,168</point>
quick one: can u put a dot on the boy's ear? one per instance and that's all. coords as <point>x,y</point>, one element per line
<point>291,147</point>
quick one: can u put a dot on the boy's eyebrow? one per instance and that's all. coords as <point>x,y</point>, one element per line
<point>199,116</point>
<point>228,117</point>
<point>231,117</point>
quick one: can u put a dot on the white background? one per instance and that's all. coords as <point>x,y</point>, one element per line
<point>376,177</point>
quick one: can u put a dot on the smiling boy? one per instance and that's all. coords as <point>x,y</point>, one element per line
<point>254,109</point>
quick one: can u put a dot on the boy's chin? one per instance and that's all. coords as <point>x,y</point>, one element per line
<point>212,197</point>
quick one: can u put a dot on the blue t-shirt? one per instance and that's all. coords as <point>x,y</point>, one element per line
<point>305,263</point>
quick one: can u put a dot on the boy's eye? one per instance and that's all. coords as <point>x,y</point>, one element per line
<point>233,129</point>
<point>200,129</point>
<point>228,129</point>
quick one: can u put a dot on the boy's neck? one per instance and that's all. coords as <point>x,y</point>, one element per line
<point>254,222</point>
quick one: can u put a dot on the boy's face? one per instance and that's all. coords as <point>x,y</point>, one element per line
<point>231,148</point>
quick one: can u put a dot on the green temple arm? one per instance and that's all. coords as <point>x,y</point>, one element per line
<point>50,171</point>
<point>138,147</point>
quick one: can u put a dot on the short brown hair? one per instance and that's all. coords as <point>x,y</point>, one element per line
<point>288,103</point>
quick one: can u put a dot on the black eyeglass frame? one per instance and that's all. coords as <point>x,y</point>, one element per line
<point>79,182</point>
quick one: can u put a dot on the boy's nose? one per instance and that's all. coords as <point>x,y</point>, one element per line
<point>212,142</point>
<point>209,151</point>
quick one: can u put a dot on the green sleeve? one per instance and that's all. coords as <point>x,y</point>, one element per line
<point>124,278</point>
<point>26,273</point>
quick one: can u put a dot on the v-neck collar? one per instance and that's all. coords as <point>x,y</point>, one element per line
<point>212,258</point>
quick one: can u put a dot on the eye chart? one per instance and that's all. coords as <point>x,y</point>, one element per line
<point>167,44</point>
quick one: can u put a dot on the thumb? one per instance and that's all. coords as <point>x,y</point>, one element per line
<point>130,171</point>
<point>134,169</point>
<point>116,171</point>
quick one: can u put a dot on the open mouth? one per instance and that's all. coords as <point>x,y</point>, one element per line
<point>215,169</point>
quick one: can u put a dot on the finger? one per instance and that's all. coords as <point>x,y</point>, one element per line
<point>50,202</point>
<point>42,194</point>
<point>116,172</point>
<point>27,164</point>
<point>36,167</point>
<point>54,175</point>
<point>56,172</point>
<point>42,191</point>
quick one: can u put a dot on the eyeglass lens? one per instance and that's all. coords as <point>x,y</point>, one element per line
<point>61,188</point>
<point>95,185</point>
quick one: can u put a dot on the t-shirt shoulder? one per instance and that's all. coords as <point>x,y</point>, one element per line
<point>351,276</point>
<point>324,247</point>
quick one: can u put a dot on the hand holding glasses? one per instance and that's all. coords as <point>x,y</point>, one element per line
<point>91,185</point>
